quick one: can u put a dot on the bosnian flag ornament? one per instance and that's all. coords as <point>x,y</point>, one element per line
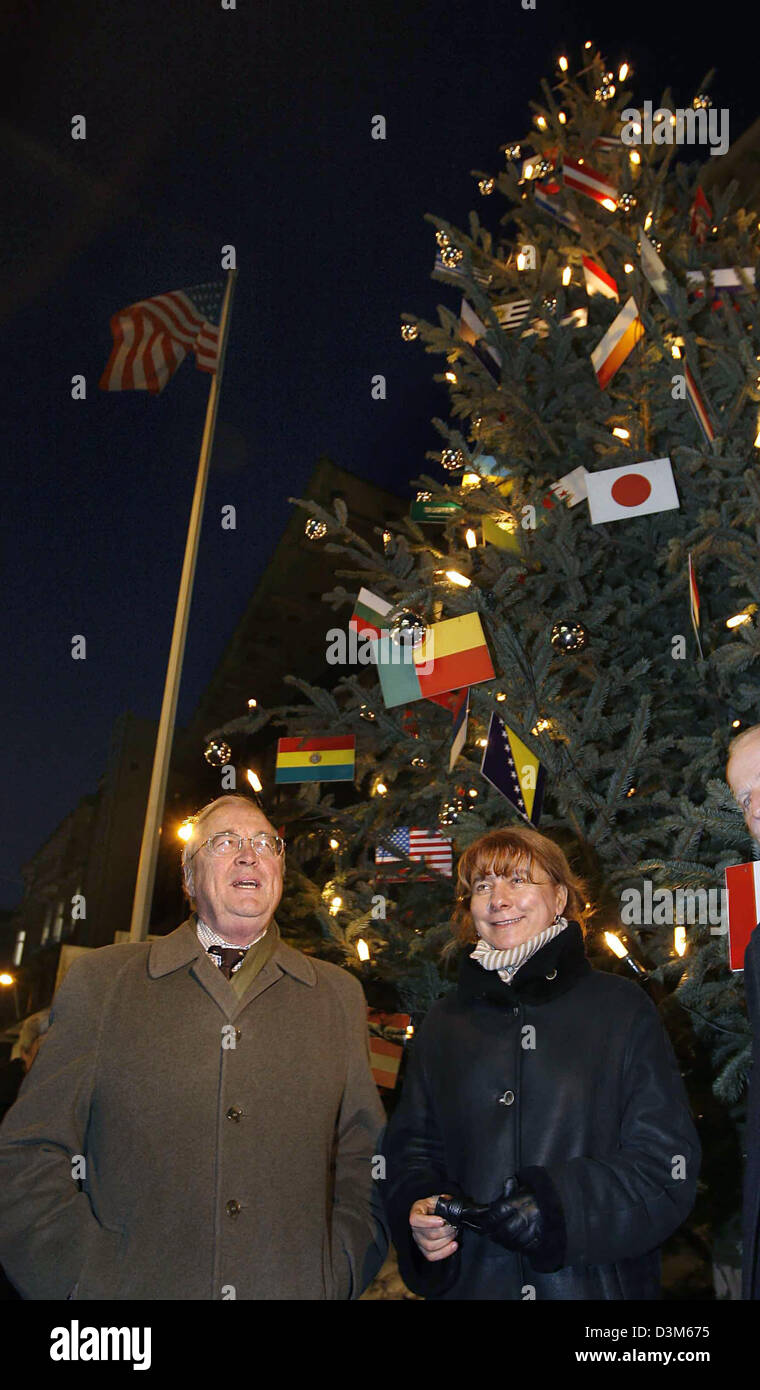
<point>633,490</point>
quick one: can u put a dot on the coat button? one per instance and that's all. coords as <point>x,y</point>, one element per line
<point>233,1208</point>
<point>507,1098</point>
<point>238,1034</point>
<point>515,1010</point>
<point>552,975</point>
<point>234,1112</point>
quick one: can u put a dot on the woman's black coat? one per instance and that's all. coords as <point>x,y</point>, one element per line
<point>751,1207</point>
<point>566,1078</point>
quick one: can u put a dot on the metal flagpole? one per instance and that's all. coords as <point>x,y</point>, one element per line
<point>146,872</point>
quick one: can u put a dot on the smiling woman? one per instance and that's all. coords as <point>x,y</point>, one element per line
<point>543,1146</point>
<point>512,885</point>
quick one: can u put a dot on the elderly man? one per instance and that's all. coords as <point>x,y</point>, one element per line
<point>202,1119</point>
<point>743,777</point>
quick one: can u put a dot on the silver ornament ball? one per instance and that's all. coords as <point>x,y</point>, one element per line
<point>407,628</point>
<point>451,256</point>
<point>569,635</point>
<point>452,460</point>
<point>217,753</point>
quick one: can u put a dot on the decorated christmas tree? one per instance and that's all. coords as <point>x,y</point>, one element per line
<point>563,632</point>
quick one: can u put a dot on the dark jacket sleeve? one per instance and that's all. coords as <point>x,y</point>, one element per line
<point>415,1168</point>
<point>359,1232</point>
<point>45,1220</point>
<point>751,1189</point>
<point>629,1203</point>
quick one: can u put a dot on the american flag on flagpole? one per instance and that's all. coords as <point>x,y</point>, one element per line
<point>151,338</point>
<point>427,847</point>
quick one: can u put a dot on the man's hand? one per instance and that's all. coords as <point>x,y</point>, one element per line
<point>433,1236</point>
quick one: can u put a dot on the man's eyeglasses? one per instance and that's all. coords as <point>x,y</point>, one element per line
<point>225,843</point>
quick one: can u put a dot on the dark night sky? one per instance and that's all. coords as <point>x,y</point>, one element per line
<point>252,127</point>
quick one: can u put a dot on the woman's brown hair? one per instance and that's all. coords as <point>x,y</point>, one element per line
<point>500,852</point>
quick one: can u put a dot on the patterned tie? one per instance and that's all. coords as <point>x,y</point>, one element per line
<point>227,957</point>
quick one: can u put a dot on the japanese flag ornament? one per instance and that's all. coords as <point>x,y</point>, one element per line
<point>633,490</point>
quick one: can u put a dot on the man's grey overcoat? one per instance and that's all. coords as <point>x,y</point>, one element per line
<point>227,1142</point>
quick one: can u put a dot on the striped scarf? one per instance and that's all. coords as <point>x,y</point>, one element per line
<point>508,961</point>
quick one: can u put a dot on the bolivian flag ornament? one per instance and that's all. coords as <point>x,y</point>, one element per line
<point>316,759</point>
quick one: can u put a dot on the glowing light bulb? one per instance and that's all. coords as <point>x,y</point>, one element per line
<point>620,433</point>
<point>679,940</point>
<point>623,72</point>
<point>457,578</point>
<point>634,156</point>
<point>254,780</point>
<point>336,904</point>
<point>628,267</point>
<point>561,117</point>
<point>471,538</point>
<point>185,830</point>
<point>609,204</point>
<point>615,945</point>
<point>562,63</point>
<point>567,275</point>
<point>362,949</point>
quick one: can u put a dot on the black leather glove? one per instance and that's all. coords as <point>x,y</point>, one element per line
<point>461,1211</point>
<point>514,1220</point>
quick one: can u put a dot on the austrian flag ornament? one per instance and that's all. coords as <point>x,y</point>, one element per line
<point>633,490</point>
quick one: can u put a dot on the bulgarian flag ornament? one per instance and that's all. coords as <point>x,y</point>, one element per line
<point>370,613</point>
